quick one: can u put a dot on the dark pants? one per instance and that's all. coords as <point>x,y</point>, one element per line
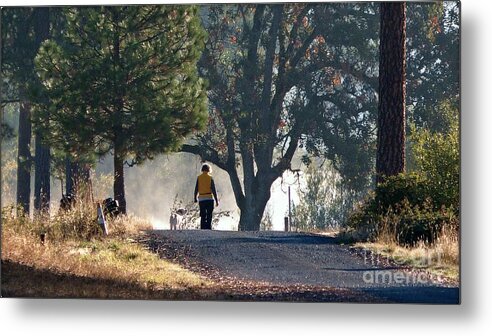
<point>206,209</point>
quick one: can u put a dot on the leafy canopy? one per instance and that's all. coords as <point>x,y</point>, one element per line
<point>122,77</point>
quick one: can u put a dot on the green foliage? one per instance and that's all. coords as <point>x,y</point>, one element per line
<point>395,189</point>
<point>321,74</point>
<point>9,154</point>
<point>122,77</point>
<point>437,156</point>
<point>417,205</point>
<point>403,223</point>
<point>408,189</point>
<point>18,50</point>
<point>433,40</point>
<point>342,97</point>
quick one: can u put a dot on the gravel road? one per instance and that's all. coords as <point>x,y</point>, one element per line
<point>288,258</point>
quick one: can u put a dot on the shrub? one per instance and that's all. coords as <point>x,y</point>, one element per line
<point>402,223</point>
<point>411,187</point>
<point>417,206</point>
<point>437,157</point>
<point>413,223</point>
<point>267,220</point>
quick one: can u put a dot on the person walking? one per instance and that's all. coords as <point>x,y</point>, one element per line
<point>205,190</point>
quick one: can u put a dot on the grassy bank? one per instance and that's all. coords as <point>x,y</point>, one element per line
<point>97,267</point>
<point>440,258</point>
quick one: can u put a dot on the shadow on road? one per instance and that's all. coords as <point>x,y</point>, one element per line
<point>416,294</point>
<point>299,259</point>
<point>289,240</point>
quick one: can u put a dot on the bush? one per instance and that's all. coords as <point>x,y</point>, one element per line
<point>437,157</point>
<point>413,223</point>
<point>402,223</point>
<point>417,206</point>
<point>411,187</point>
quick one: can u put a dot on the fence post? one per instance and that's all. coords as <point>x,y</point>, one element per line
<point>286,224</point>
<point>101,220</point>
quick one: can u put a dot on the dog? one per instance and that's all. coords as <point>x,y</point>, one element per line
<point>176,218</point>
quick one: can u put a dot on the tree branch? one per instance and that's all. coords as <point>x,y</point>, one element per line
<point>286,159</point>
<point>231,165</point>
<point>206,153</point>
<point>302,50</point>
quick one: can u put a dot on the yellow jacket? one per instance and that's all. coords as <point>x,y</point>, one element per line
<point>205,187</point>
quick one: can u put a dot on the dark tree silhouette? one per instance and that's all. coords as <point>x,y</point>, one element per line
<point>390,158</point>
<point>23,30</point>
<point>18,51</point>
<point>24,160</point>
<point>42,156</point>
<point>281,77</point>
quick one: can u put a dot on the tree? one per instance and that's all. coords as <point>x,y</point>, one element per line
<point>6,131</point>
<point>24,160</point>
<point>42,155</point>
<point>324,200</point>
<point>276,79</point>
<point>77,175</point>
<point>18,52</point>
<point>433,61</point>
<point>23,30</point>
<point>123,80</point>
<point>391,119</point>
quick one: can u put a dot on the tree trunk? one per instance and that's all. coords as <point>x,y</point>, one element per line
<point>254,202</point>
<point>78,180</point>
<point>119,155</point>
<point>42,188</point>
<point>119,181</point>
<point>391,119</point>
<point>24,161</point>
<point>71,174</point>
<point>252,211</point>
<point>42,192</point>
<point>250,219</point>
<point>85,182</point>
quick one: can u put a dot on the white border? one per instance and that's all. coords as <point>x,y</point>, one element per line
<point>98,317</point>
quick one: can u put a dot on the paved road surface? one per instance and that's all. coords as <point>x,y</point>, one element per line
<point>285,258</point>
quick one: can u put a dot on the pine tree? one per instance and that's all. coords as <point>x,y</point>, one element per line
<point>391,119</point>
<point>42,155</point>
<point>123,80</point>
<point>23,29</point>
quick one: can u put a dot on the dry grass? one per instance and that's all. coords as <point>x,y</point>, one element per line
<point>113,267</point>
<point>440,258</point>
<point>113,258</point>
<point>128,225</point>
